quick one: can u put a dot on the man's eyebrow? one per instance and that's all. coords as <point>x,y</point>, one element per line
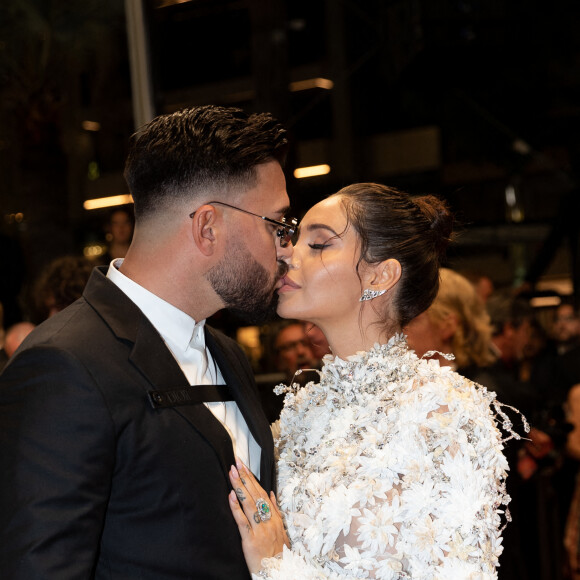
<point>282,211</point>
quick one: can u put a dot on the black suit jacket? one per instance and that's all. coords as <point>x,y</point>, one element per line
<point>98,483</point>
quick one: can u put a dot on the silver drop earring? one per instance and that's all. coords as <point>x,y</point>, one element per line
<point>370,294</point>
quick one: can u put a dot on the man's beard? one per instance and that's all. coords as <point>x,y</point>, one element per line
<point>245,286</point>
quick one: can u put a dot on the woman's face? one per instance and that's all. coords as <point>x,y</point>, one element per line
<point>322,285</point>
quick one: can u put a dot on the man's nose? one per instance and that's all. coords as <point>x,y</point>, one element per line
<point>300,349</point>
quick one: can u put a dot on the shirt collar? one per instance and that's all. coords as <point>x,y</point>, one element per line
<point>173,324</point>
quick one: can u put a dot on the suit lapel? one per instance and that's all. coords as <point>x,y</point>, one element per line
<point>154,360</point>
<point>163,371</point>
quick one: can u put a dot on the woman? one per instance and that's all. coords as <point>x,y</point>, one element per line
<point>456,323</point>
<point>391,467</point>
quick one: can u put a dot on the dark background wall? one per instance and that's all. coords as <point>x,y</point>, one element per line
<point>477,101</point>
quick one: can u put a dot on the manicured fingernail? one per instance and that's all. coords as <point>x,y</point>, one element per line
<point>239,464</point>
<point>235,472</point>
<point>233,497</point>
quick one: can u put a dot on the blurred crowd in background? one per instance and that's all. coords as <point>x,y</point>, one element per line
<point>530,357</point>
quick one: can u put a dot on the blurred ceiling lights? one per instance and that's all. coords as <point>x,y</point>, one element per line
<point>91,126</point>
<point>166,3</point>
<point>544,301</point>
<point>312,171</point>
<point>102,202</point>
<point>293,87</point>
<point>317,83</point>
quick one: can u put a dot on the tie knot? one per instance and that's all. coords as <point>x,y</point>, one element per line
<point>197,339</point>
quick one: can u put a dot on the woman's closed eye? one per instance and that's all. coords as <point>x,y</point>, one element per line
<point>318,246</point>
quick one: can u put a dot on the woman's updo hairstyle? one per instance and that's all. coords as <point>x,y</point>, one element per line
<point>414,231</point>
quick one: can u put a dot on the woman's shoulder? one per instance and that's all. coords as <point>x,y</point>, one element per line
<point>431,374</point>
<point>456,393</point>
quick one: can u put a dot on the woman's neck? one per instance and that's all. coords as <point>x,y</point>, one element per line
<point>346,340</point>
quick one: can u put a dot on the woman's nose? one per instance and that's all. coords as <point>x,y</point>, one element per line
<point>284,252</point>
<point>294,262</point>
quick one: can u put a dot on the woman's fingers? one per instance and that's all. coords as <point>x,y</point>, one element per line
<point>239,514</point>
<point>252,548</point>
<point>260,525</point>
<point>244,496</point>
<point>249,481</point>
<point>239,485</point>
<point>259,508</point>
<point>251,496</point>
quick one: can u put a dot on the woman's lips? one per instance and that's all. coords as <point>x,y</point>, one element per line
<point>287,285</point>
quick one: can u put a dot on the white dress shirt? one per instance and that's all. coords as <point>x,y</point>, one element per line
<point>185,339</point>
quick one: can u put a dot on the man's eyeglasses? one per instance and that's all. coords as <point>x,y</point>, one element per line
<point>285,230</point>
<point>288,346</point>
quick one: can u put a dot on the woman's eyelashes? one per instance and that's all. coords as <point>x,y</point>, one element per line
<point>318,246</point>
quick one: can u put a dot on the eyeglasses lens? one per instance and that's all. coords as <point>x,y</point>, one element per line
<point>285,234</point>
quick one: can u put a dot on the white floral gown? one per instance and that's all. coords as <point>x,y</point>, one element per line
<point>390,468</point>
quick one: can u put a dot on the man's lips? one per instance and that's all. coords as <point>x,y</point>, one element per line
<point>287,285</point>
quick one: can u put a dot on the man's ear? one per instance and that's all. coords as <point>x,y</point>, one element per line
<point>384,275</point>
<point>205,229</point>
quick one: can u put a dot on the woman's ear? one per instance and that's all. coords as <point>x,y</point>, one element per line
<point>384,275</point>
<point>204,229</point>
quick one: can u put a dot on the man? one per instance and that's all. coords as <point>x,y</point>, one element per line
<point>291,352</point>
<point>119,234</point>
<point>15,335</point>
<point>511,320</point>
<point>115,447</point>
<point>566,328</point>
<point>318,343</point>
<point>566,331</point>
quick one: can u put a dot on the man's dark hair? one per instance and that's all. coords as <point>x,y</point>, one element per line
<point>177,154</point>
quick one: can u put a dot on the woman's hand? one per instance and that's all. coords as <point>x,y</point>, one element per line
<point>258,518</point>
